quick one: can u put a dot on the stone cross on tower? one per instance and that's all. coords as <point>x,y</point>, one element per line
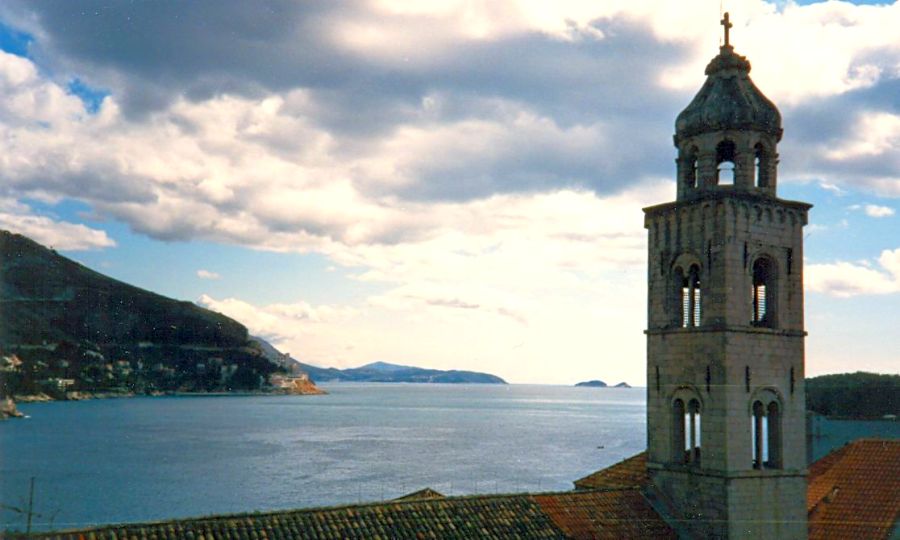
<point>725,22</point>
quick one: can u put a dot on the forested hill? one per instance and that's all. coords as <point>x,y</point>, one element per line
<point>63,321</point>
<point>856,395</point>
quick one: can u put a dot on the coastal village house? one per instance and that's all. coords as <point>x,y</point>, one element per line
<point>726,449</point>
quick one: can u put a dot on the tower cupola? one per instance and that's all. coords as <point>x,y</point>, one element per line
<point>728,101</point>
<point>727,135</point>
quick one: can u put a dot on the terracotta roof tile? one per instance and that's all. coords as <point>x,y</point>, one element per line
<point>622,513</point>
<point>613,514</point>
<point>854,492</point>
<point>498,516</point>
<point>631,472</point>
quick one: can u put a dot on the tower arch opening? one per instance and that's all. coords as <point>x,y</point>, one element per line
<point>725,164</point>
<point>766,430</point>
<point>687,292</point>
<point>687,420</point>
<point>763,292</point>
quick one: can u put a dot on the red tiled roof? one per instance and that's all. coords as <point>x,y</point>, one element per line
<point>631,472</point>
<point>583,514</point>
<point>612,514</point>
<point>462,518</point>
<point>854,492</point>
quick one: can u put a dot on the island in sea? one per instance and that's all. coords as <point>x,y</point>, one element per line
<point>385,372</point>
<point>600,384</point>
<point>67,332</point>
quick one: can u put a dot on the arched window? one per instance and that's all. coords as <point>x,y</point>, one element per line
<point>686,432</point>
<point>725,163</point>
<point>763,293</point>
<point>690,296</point>
<point>765,432</point>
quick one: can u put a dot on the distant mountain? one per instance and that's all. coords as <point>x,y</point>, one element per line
<point>385,372</point>
<point>622,385</point>
<point>64,327</point>
<point>593,384</point>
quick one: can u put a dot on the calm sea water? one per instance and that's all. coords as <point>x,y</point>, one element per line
<point>109,461</point>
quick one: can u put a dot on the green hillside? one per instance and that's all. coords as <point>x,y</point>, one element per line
<point>857,395</point>
<point>62,320</point>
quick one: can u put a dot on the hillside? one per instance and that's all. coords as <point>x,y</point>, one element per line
<point>64,327</point>
<point>384,372</point>
<point>855,395</point>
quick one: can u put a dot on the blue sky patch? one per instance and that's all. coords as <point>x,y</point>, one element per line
<point>14,41</point>
<point>91,97</point>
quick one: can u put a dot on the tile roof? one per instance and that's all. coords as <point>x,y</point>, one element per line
<point>631,472</point>
<point>584,514</point>
<point>854,492</point>
<point>612,514</point>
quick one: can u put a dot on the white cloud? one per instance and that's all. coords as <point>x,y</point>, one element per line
<point>18,218</point>
<point>267,171</point>
<point>206,274</point>
<point>876,211</point>
<point>828,186</point>
<point>874,134</point>
<point>846,279</point>
<point>873,210</point>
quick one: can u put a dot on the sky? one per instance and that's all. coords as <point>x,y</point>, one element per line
<point>447,184</point>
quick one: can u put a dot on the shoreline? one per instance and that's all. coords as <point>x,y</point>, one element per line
<point>87,396</point>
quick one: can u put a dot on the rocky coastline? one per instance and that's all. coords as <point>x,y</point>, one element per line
<point>304,387</point>
<point>8,406</point>
<point>72,396</point>
<point>8,409</point>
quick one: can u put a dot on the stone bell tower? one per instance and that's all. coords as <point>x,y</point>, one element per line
<point>725,334</point>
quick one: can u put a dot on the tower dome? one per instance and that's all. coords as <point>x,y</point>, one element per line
<point>728,100</point>
<point>728,135</point>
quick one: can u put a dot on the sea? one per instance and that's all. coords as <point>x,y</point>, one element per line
<point>152,458</point>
